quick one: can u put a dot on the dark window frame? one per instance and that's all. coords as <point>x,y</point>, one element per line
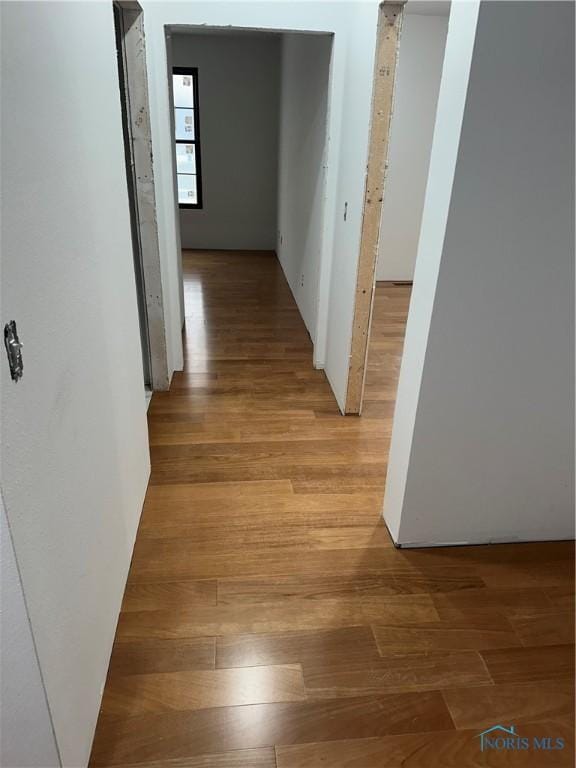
<point>193,72</point>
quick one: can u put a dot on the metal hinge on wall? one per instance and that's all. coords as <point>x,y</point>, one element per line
<point>13,350</point>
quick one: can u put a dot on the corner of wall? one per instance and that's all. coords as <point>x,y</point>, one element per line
<point>445,144</point>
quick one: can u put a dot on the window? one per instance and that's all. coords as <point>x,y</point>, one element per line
<point>187,136</point>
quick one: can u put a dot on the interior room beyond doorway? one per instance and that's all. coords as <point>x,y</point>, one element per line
<point>259,135</point>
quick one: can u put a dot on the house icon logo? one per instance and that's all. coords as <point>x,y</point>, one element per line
<point>504,737</point>
<point>497,736</point>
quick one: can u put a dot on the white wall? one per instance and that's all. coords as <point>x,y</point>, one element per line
<point>26,736</point>
<point>482,446</point>
<point>238,80</point>
<point>415,96</point>
<point>302,162</point>
<point>74,444</point>
<point>354,28</point>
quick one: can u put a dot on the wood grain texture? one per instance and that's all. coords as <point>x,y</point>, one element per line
<point>229,507</point>
<point>296,537</point>
<point>478,603</point>
<point>281,616</point>
<point>545,629</point>
<point>510,665</point>
<point>150,655</point>
<point>510,703</point>
<point>444,636</point>
<point>336,646</point>
<point>414,672</point>
<point>222,729</point>
<point>202,689</point>
<point>310,587</point>
<point>457,749</point>
<point>152,597</point>
<point>562,598</point>
<point>168,560</point>
<point>263,571</point>
<point>239,758</point>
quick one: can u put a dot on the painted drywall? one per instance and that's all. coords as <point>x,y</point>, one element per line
<point>482,446</point>
<point>302,165</point>
<point>449,116</point>
<point>238,83</point>
<point>415,97</point>
<point>26,736</point>
<point>354,28</point>
<point>74,443</point>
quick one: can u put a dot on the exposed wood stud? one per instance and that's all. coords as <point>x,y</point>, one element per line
<point>388,38</point>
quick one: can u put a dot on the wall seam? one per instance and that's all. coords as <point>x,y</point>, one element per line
<point>52,728</point>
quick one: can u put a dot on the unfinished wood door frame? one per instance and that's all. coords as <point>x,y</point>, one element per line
<point>138,112</point>
<point>387,46</point>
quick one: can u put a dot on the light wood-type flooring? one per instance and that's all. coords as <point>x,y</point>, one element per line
<point>268,621</point>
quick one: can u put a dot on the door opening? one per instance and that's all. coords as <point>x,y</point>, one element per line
<point>133,201</point>
<point>387,42</point>
<point>408,70</point>
<point>133,82</point>
<point>249,133</point>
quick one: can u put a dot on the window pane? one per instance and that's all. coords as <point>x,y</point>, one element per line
<point>185,158</point>
<point>184,119</point>
<point>183,90</point>
<point>187,189</point>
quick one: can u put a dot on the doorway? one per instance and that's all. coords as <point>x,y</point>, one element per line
<point>133,84</point>
<point>411,44</point>
<point>249,111</point>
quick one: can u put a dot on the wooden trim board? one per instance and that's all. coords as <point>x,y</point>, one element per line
<point>387,44</point>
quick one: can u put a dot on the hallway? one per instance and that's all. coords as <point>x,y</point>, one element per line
<point>267,614</point>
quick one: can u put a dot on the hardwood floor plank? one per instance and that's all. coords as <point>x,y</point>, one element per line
<point>187,734</point>
<point>304,587</point>
<point>240,758</point>
<point>433,580</point>
<point>202,689</point>
<point>176,594</point>
<point>155,561</point>
<point>401,609</point>
<point>265,454</point>
<point>343,483</point>
<point>512,665</point>
<point>416,672</point>
<point>509,602</point>
<point>176,495</point>
<point>336,645</point>
<point>537,575</point>
<point>457,749</point>
<point>562,598</point>
<point>226,507</point>
<point>282,616</point>
<point>300,537</point>
<point>183,464</point>
<point>545,629</point>
<point>139,657</point>
<point>496,632</point>
<point>510,703</point>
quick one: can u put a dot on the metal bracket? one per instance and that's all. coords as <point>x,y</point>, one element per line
<point>13,350</point>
